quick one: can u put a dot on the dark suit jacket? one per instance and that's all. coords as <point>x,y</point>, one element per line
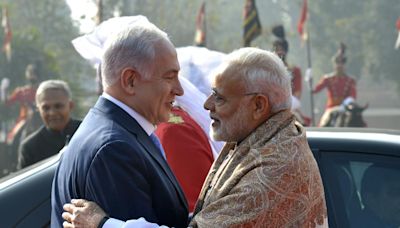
<point>44,143</point>
<point>112,161</point>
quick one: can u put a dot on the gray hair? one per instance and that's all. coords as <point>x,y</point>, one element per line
<point>53,85</point>
<point>133,47</point>
<point>263,72</point>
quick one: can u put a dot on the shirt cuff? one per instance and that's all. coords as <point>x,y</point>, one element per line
<point>113,223</point>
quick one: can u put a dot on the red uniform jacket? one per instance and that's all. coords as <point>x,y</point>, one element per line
<point>339,87</point>
<point>25,96</point>
<point>188,152</point>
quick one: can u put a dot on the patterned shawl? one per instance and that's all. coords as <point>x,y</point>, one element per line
<point>270,179</point>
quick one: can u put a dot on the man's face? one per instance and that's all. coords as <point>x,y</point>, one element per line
<point>339,67</point>
<point>54,107</point>
<point>159,90</point>
<point>227,105</point>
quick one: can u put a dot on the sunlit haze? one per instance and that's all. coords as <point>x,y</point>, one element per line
<point>83,11</point>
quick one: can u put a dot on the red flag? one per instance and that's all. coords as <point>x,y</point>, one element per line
<point>200,36</point>
<point>397,45</point>
<point>302,21</point>
<point>5,23</point>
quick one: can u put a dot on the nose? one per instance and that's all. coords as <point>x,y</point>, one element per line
<point>208,104</point>
<point>178,90</point>
<point>51,111</point>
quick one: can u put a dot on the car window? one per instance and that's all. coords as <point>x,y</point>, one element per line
<point>363,190</point>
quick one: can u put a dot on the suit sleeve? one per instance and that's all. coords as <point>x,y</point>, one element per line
<point>117,181</point>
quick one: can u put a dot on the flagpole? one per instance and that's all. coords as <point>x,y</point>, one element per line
<point>99,15</point>
<point>205,26</point>
<point>309,77</point>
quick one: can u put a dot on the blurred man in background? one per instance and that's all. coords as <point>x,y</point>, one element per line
<point>53,100</point>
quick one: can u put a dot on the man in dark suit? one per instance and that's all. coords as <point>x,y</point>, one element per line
<point>53,100</point>
<point>112,159</point>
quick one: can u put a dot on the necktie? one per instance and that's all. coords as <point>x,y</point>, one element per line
<point>157,142</point>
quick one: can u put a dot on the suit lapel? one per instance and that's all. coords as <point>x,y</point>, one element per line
<point>125,120</point>
<point>146,142</point>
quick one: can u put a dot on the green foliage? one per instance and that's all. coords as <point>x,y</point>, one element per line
<point>42,34</point>
<point>43,31</point>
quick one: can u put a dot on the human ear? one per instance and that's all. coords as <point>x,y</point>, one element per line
<point>71,105</point>
<point>129,78</point>
<point>261,107</point>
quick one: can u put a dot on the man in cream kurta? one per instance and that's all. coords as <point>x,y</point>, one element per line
<point>266,175</point>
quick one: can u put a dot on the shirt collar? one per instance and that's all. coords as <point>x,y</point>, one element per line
<point>143,122</point>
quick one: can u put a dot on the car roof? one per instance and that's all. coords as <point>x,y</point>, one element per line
<point>374,141</point>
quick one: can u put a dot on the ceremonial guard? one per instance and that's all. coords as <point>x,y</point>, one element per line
<point>281,48</point>
<point>25,97</point>
<point>339,84</point>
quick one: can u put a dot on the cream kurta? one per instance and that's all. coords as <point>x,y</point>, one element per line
<point>270,179</point>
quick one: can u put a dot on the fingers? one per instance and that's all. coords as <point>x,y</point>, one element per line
<point>67,225</point>
<point>79,202</point>
<point>82,213</point>
<point>69,208</point>
<point>72,219</point>
<point>67,217</point>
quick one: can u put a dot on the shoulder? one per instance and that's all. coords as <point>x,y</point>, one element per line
<point>177,124</point>
<point>329,75</point>
<point>36,135</point>
<point>351,78</point>
<point>35,138</point>
<point>180,119</point>
<point>177,116</point>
